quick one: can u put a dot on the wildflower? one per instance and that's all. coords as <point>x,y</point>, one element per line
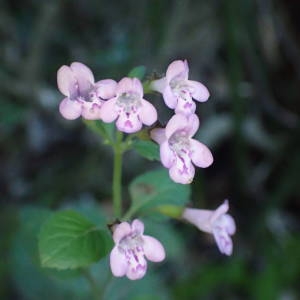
<point>216,222</point>
<point>178,151</point>
<point>131,245</point>
<point>129,107</point>
<point>179,92</point>
<point>84,97</point>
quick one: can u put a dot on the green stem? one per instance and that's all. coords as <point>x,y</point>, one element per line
<point>93,284</point>
<point>117,175</point>
<point>130,212</point>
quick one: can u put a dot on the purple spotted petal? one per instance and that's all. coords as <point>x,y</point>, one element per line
<point>186,107</point>
<point>153,249</point>
<point>201,155</point>
<point>198,90</point>
<point>177,68</point>
<point>158,135</point>
<point>108,111</point>
<point>182,177</point>
<point>106,88</point>
<point>91,110</point>
<point>118,263</point>
<point>70,109</point>
<point>169,98</point>
<point>121,231</point>
<point>167,156</point>
<point>129,124</point>
<point>66,81</point>
<point>138,271</point>
<point>137,226</point>
<point>147,113</point>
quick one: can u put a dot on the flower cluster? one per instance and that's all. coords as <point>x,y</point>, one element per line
<point>124,103</point>
<point>104,100</point>
<point>178,151</point>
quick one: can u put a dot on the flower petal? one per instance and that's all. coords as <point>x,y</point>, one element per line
<point>199,217</point>
<point>137,87</point>
<point>221,210</point>
<point>226,222</point>
<point>66,81</point>
<point>169,98</point>
<point>137,226</point>
<point>127,84</point>
<point>121,231</point>
<point>159,85</point>
<point>177,122</point>
<point>198,90</point>
<point>137,271</point>
<point>70,109</point>
<point>118,263</point>
<point>91,110</point>
<point>185,106</point>
<point>129,123</point>
<point>194,123</point>
<point>167,156</point>
<point>106,88</point>
<point>153,249</point>
<point>177,67</point>
<point>158,135</point>
<point>81,70</point>
<point>84,77</point>
<point>148,113</point>
<point>108,111</point>
<point>201,155</point>
<point>223,240</point>
<point>182,177</point>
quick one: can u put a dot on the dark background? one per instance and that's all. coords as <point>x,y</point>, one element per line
<point>246,52</point>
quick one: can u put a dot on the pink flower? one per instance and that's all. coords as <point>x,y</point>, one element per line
<point>216,222</point>
<point>131,245</point>
<point>84,97</point>
<point>178,91</point>
<point>178,151</point>
<point>129,107</point>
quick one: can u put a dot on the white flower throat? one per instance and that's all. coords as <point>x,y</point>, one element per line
<point>129,102</point>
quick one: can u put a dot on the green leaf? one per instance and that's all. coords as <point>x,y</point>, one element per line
<point>138,72</point>
<point>147,149</point>
<point>30,280</point>
<point>67,240</point>
<point>155,188</point>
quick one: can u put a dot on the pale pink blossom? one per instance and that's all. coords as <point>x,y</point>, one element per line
<point>179,152</point>
<point>129,107</point>
<point>178,91</point>
<point>84,97</point>
<point>131,247</point>
<point>216,222</point>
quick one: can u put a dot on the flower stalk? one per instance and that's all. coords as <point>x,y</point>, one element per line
<point>117,175</point>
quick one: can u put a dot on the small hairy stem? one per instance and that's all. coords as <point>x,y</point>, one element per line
<point>117,175</point>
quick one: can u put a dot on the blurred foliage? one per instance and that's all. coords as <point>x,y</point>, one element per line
<point>247,53</point>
